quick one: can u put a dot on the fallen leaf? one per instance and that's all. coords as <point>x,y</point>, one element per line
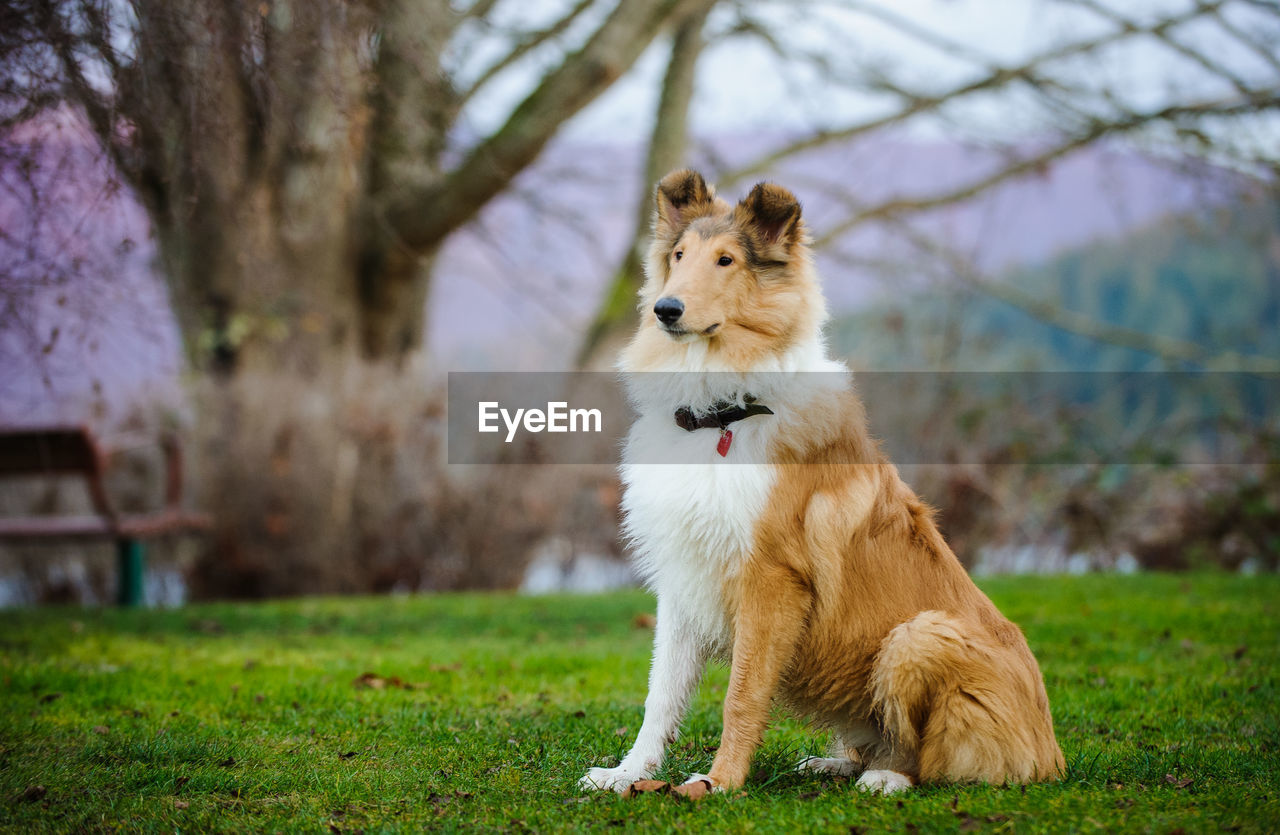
<point>101,729</point>
<point>32,793</point>
<point>620,731</point>
<point>1176,783</point>
<point>180,804</point>
<point>644,620</point>
<point>640,787</point>
<point>373,681</point>
<point>693,791</point>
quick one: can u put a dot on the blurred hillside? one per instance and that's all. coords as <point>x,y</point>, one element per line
<point>1209,276</point>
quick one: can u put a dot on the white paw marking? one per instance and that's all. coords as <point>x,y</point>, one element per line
<point>883,782</point>
<point>829,765</point>
<point>612,779</point>
<point>694,778</point>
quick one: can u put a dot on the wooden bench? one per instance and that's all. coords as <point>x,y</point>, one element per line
<point>62,451</point>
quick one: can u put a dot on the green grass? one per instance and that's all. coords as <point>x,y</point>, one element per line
<point>245,717</point>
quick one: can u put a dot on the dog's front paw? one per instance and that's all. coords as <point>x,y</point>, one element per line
<point>612,779</point>
<point>883,782</point>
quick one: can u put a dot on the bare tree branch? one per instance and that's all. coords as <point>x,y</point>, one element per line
<point>1164,34</point>
<point>1094,132</point>
<point>1268,55</point>
<point>667,144</point>
<point>918,104</point>
<point>422,218</point>
<point>526,45</point>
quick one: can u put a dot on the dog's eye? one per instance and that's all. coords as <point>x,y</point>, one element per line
<point>679,254</point>
<point>725,261</point>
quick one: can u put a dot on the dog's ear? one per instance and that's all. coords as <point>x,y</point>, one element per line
<point>772,214</point>
<point>681,196</point>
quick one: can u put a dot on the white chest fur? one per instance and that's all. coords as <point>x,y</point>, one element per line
<point>690,514</point>
<point>691,525</point>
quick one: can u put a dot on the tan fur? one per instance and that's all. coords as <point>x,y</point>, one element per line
<point>852,609</point>
<point>761,304</point>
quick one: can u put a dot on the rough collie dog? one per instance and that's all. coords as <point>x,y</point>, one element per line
<point>783,541</point>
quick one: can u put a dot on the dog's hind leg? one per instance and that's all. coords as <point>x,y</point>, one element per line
<point>963,704</point>
<point>835,764</point>
<point>844,758</point>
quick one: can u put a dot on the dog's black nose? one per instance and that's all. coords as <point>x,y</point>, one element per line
<point>668,310</point>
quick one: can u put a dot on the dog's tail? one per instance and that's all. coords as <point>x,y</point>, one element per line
<point>910,670</point>
<point>965,704</point>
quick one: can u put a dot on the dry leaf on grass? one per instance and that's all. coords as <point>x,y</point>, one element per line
<point>373,681</point>
<point>693,791</point>
<point>640,787</point>
<point>644,620</point>
<point>685,791</point>
<point>32,793</point>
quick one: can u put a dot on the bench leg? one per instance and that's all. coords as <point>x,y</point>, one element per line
<point>130,558</point>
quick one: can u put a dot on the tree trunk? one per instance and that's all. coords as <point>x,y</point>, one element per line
<point>617,315</point>
<point>290,158</point>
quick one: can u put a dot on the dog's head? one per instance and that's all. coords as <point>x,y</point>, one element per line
<point>736,277</point>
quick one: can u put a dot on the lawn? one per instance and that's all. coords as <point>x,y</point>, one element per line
<point>481,711</point>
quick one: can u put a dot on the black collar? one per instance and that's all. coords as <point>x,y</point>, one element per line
<point>721,415</point>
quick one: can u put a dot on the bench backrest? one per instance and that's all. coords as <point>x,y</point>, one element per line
<point>60,449</point>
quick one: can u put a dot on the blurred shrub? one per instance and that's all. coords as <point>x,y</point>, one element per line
<point>346,488</point>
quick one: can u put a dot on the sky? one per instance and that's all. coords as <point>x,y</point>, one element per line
<point>741,86</point>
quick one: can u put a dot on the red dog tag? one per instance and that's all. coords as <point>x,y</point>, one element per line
<point>726,438</point>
